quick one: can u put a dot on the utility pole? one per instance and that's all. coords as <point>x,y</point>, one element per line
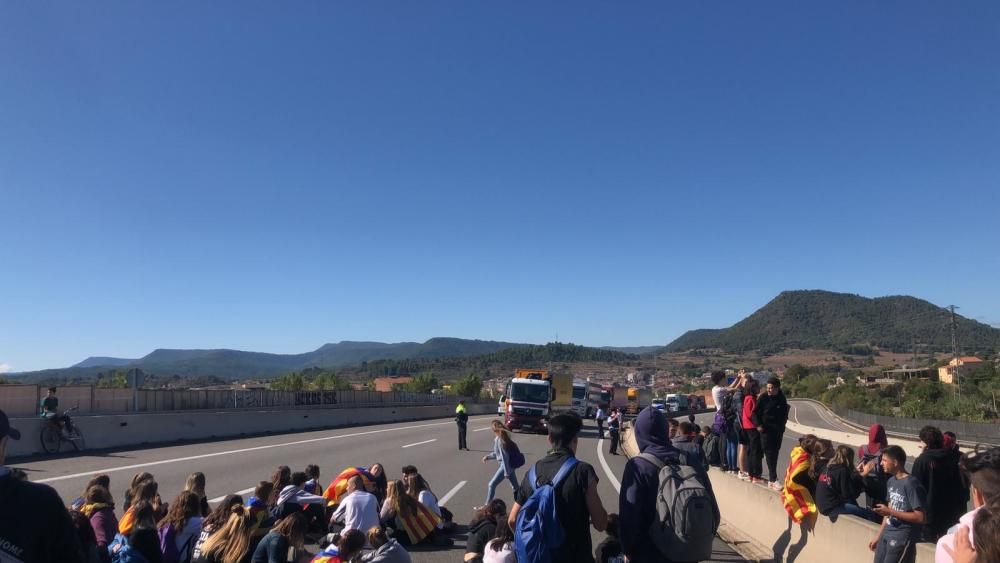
<point>954,352</point>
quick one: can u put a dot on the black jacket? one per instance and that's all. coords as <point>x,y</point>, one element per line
<point>937,470</point>
<point>771,413</point>
<point>836,486</point>
<point>34,524</point>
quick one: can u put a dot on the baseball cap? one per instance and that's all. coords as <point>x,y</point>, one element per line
<point>5,429</point>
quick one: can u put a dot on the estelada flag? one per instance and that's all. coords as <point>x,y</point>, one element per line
<point>420,524</point>
<point>328,555</point>
<point>798,501</point>
<point>127,522</point>
<point>338,486</point>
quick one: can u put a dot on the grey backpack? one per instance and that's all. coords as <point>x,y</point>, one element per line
<point>687,514</point>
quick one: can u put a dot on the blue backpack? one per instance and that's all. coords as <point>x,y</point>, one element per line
<point>121,552</point>
<point>538,529</point>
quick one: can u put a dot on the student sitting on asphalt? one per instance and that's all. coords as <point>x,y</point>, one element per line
<point>231,541</point>
<point>385,549</point>
<point>359,509</point>
<point>288,534</point>
<point>418,488</point>
<point>500,549</point>
<point>180,529</point>
<point>411,522</point>
<point>483,528</point>
<point>293,499</point>
<point>312,486</point>
<point>99,507</point>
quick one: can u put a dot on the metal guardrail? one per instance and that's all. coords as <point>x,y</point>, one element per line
<point>967,432</point>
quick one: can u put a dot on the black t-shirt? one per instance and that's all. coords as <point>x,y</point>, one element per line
<point>480,534</point>
<point>571,504</point>
<point>34,524</point>
<point>50,404</point>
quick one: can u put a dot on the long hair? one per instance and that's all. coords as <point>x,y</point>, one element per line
<point>493,510</point>
<point>843,456</point>
<point>231,543</point>
<point>220,516</point>
<point>145,515</point>
<point>502,433</point>
<point>281,478</point>
<point>145,490</point>
<point>101,480</point>
<point>196,484</point>
<point>293,527</point>
<point>351,543</point>
<point>822,451</point>
<point>402,503</point>
<point>503,537</point>
<point>417,485</point>
<point>98,494</point>
<point>186,506</point>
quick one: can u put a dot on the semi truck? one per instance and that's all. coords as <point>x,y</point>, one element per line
<point>676,403</point>
<point>586,397</point>
<point>533,395</point>
<point>638,399</point>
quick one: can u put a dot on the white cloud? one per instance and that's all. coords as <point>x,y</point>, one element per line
<point>4,368</point>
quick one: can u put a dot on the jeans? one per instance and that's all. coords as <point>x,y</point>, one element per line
<point>491,489</point>
<point>732,443</point>
<point>854,510</point>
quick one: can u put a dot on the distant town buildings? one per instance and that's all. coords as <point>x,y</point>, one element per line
<point>384,384</point>
<point>957,368</point>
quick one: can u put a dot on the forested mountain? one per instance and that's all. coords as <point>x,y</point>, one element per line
<point>231,364</point>
<point>827,320</point>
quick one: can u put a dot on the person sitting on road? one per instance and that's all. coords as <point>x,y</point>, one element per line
<point>312,486</point>
<point>483,528</point>
<point>411,522</point>
<point>133,484</point>
<point>359,509</point>
<point>89,552</point>
<point>347,546</point>
<point>289,533</point>
<point>231,541</point>
<point>180,528</point>
<point>385,549</point>
<point>196,484</point>
<point>144,491</point>
<point>99,507</point>
<point>142,535</point>
<point>293,499</point>
<point>839,485</point>
<point>217,519</point>
<point>100,480</point>
<point>257,504</point>
<point>418,488</point>
<point>500,549</point>
<point>610,550</point>
<point>281,478</point>
<point>379,482</point>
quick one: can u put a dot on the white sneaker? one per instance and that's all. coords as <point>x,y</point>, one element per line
<point>776,486</point>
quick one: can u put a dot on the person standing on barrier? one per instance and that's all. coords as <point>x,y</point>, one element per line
<point>462,420</point>
<point>771,416</point>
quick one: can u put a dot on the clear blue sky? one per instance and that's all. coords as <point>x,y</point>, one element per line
<point>271,176</point>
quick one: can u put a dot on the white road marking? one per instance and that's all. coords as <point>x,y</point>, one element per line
<point>223,497</point>
<point>607,469</point>
<point>418,443</point>
<point>795,413</point>
<point>241,450</point>
<point>447,496</point>
<point>481,429</point>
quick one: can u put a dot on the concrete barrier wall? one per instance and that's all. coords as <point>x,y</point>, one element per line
<point>125,430</point>
<point>756,522</point>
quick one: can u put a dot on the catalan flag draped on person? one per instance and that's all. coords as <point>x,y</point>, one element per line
<point>419,524</point>
<point>338,487</point>
<point>797,499</point>
<point>329,555</point>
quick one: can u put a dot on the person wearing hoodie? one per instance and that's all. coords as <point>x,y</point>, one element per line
<point>386,549</point>
<point>874,482</point>
<point>483,528</point>
<point>983,470</point>
<point>770,416</point>
<point>937,471</point>
<point>100,509</point>
<point>639,486</point>
<point>838,487</point>
<point>293,498</point>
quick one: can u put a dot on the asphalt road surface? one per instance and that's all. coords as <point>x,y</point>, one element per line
<point>234,466</point>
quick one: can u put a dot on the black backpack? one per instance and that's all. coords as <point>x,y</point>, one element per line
<point>729,410</point>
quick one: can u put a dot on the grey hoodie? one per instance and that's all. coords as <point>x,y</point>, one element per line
<point>391,552</point>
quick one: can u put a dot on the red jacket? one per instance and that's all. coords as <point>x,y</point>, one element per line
<point>749,405</point>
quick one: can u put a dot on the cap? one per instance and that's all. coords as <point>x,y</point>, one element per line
<point>5,429</point>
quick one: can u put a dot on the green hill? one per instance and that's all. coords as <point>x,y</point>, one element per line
<point>827,320</point>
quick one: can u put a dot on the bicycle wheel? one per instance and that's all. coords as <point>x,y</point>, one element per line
<point>76,436</point>
<point>51,440</point>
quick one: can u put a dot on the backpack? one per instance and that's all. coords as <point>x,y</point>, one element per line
<point>729,410</point>
<point>538,530</point>
<point>719,425</point>
<point>121,552</point>
<point>687,512</point>
<point>711,448</point>
<point>516,457</point>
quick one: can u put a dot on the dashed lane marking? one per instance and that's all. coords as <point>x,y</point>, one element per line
<point>230,452</point>
<point>607,468</point>
<point>419,443</point>
<point>447,496</point>
<point>223,497</point>
<point>481,429</point>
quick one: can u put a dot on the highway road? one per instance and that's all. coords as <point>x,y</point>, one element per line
<point>234,466</point>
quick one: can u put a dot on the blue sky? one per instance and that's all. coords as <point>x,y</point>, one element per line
<point>272,176</point>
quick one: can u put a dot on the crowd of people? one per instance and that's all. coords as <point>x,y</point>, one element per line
<point>364,515</point>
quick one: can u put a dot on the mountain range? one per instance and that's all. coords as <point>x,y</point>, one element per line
<point>838,321</point>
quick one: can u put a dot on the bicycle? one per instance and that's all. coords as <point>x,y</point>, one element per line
<point>54,433</point>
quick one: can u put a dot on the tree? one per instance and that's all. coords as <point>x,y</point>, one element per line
<point>329,380</point>
<point>289,382</point>
<point>469,386</point>
<point>117,379</point>
<point>796,373</point>
<point>423,383</point>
